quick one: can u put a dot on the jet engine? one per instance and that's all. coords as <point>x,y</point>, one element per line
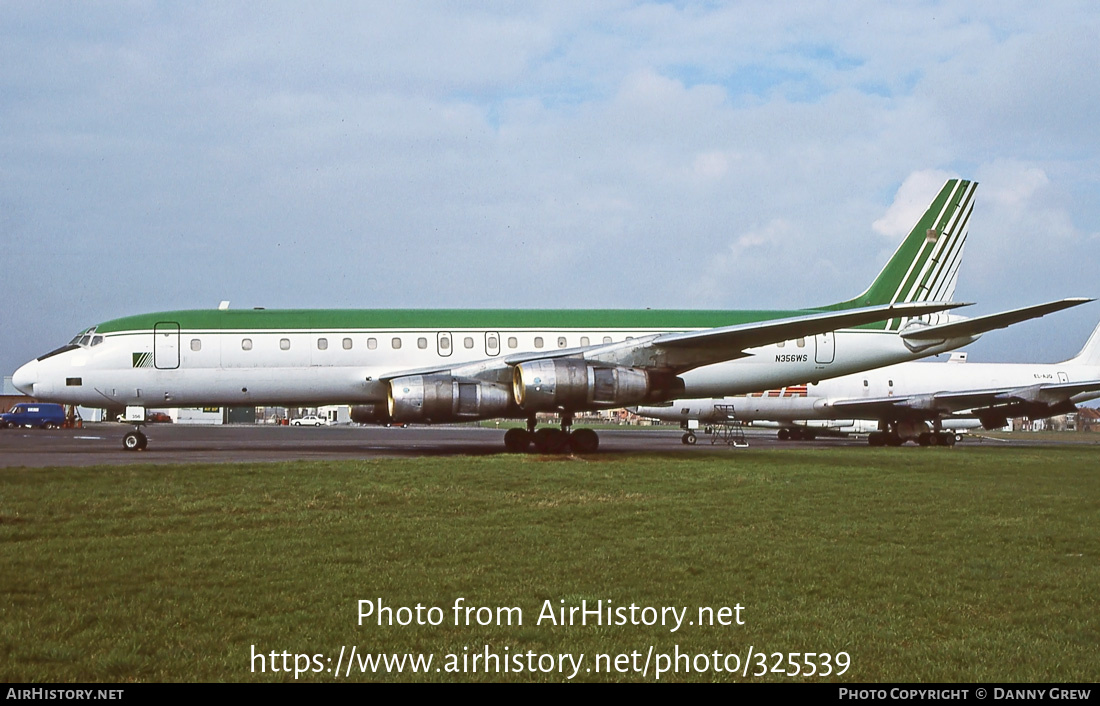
<point>570,383</point>
<point>444,398</point>
<point>370,414</point>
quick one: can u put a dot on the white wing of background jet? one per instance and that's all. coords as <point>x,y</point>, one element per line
<point>937,404</point>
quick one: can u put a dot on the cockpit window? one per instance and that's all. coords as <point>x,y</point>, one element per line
<point>87,339</point>
<point>84,339</point>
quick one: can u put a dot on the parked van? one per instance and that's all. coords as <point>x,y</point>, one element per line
<point>33,414</point>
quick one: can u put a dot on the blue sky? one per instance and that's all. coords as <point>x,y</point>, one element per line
<point>621,154</point>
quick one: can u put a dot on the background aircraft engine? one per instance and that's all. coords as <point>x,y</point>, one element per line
<point>570,383</point>
<point>443,398</point>
<point>370,414</point>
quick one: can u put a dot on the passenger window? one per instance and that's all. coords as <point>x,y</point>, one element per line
<point>561,341</point>
<point>468,342</point>
<point>196,345</point>
<point>372,343</point>
<point>246,344</point>
<point>607,339</point>
<point>801,343</point>
<point>780,344</point>
<point>491,343</point>
<point>584,341</point>
<point>422,343</point>
<point>445,343</point>
<point>396,342</point>
<point>538,341</point>
<point>347,344</point>
<point>284,344</point>
<point>322,344</point>
<point>512,342</point>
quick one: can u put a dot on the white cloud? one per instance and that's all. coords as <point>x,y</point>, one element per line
<point>910,202</point>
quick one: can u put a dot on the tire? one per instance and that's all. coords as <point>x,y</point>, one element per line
<point>688,439</point>
<point>47,426</point>
<point>134,441</point>
<point>551,441</point>
<point>517,441</point>
<point>584,441</point>
<point>784,434</point>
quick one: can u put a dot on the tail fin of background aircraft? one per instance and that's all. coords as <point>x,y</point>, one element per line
<point>925,266</point>
<point>1090,354</point>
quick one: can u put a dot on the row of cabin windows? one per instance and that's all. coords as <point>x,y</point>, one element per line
<point>422,343</point>
<point>800,342</point>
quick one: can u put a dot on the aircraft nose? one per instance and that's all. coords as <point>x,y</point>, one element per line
<point>25,378</point>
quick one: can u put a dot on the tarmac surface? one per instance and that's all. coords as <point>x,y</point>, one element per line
<point>101,444</point>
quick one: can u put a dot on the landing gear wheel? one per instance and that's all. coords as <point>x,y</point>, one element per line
<point>517,441</point>
<point>551,441</point>
<point>584,441</point>
<point>134,441</point>
<point>784,434</point>
<point>876,438</point>
<point>688,439</point>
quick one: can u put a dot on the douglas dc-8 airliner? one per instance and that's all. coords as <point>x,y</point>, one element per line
<point>437,366</point>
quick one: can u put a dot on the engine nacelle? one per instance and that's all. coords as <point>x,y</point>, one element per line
<point>572,384</point>
<point>443,398</point>
<point>370,414</point>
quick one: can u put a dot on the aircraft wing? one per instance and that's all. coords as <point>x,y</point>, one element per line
<point>944,403</point>
<point>679,352</point>
<point>989,322</point>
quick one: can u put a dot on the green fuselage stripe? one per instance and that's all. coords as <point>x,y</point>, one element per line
<point>443,319</point>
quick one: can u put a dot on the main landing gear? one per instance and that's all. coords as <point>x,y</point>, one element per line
<point>897,433</point>
<point>549,440</point>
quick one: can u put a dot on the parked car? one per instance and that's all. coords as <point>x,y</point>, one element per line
<point>33,414</point>
<point>310,420</point>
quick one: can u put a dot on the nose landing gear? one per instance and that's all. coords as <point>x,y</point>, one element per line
<point>135,441</point>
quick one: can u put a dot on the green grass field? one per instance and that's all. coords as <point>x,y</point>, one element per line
<point>923,565</point>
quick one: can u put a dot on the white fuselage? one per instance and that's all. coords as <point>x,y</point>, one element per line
<point>312,367</point>
<point>814,401</point>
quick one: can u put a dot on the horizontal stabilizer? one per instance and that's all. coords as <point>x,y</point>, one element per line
<point>981,324</point>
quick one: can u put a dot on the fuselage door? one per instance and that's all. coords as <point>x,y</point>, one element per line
<point>492,343</point>
<point>826,347</point>
<point>166,345</point>
<point>443,343</point>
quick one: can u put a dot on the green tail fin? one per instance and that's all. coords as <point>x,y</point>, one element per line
<point>925,267</point>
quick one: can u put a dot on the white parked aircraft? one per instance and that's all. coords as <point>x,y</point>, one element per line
<point>459,365</point>
<point>907,401</point>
